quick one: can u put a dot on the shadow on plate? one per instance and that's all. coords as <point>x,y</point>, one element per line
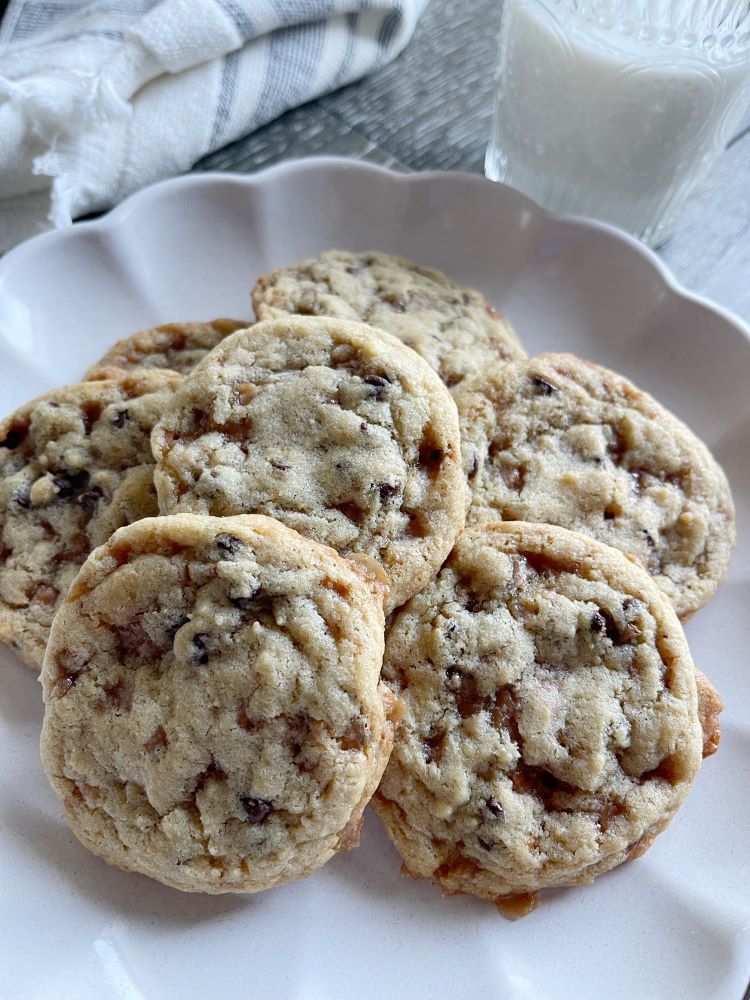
<point>128,895</point>
<point>21,702</point>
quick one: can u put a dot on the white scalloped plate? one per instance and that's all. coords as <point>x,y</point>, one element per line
<point>671,925</point>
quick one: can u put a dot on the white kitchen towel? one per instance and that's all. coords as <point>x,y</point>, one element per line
<point>99,98</point>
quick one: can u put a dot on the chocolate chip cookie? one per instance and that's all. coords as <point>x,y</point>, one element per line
<point>558,440</point>
<point>453,328</point>
<point>551,720</point>
<point>332,427</point>
<point>177,346</point>
<point>74,465</point>
<point>214,715</point>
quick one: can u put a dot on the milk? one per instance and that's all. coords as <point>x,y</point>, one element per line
<point>607,124</point>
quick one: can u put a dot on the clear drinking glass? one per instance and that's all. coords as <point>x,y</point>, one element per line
<point>617,108</point>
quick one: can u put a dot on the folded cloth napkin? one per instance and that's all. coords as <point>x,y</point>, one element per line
<point>99,98</point>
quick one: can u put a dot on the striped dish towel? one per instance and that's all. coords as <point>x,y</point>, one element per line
<point>99,98</point>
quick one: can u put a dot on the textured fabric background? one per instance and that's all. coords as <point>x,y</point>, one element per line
<point>98,99</point>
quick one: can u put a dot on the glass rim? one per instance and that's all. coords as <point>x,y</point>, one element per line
<point>716,30</point>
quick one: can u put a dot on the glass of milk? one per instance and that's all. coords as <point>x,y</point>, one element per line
<point>617,108</point>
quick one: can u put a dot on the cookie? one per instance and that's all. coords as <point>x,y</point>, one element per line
<point>551,720</point>
<point>562,441</point>
<point>74,465</point>
<point>214,715</point>
<point>453,328</point>
<point>710,708</point>
<point>177,346</point>
<point>332,427</point>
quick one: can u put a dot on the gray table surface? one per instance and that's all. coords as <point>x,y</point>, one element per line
<point>430,110</point>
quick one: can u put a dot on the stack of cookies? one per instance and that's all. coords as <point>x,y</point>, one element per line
<point>362,550</point>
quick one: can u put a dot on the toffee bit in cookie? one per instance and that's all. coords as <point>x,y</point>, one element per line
<point>495,808</point>
<point>418,525</point>
<point>157,740</point>
<point>468,699</point>
<point>67,672</point>
<point>44,593</point>
<point>543,385</point>
<point>132,638</point>
<point>351,511</point>
<point>514,476</point>
<point>244,720</point>
<point>355,735</point>
<point>119,696</point>
<point>397,302</point>
<point>617,447</point>
<point>245,393</point>
<point>342,353</point>
<point>337,586</point>
<point>90,413</point>
<point>433,746</point>
<point>610,811</point>
<point>431,457</point>
<point>64,683</point>
<point>120,419</point>
<point>257,810</point>
<point>503,709</point>
<point>307,306</point>
<point>538,562</point>
<point>668,770</point>
<point>517,905</point>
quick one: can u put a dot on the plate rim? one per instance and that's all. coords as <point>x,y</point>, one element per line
<point>114,217</point>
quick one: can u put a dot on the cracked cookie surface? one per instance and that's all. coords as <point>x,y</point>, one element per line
<point>562,441</point>
<point>453,328</point>
<point>332,427</point>
<point>551,722</point>
<point>214,715</point>
<point>75,464</point>
<point>177,346</point>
